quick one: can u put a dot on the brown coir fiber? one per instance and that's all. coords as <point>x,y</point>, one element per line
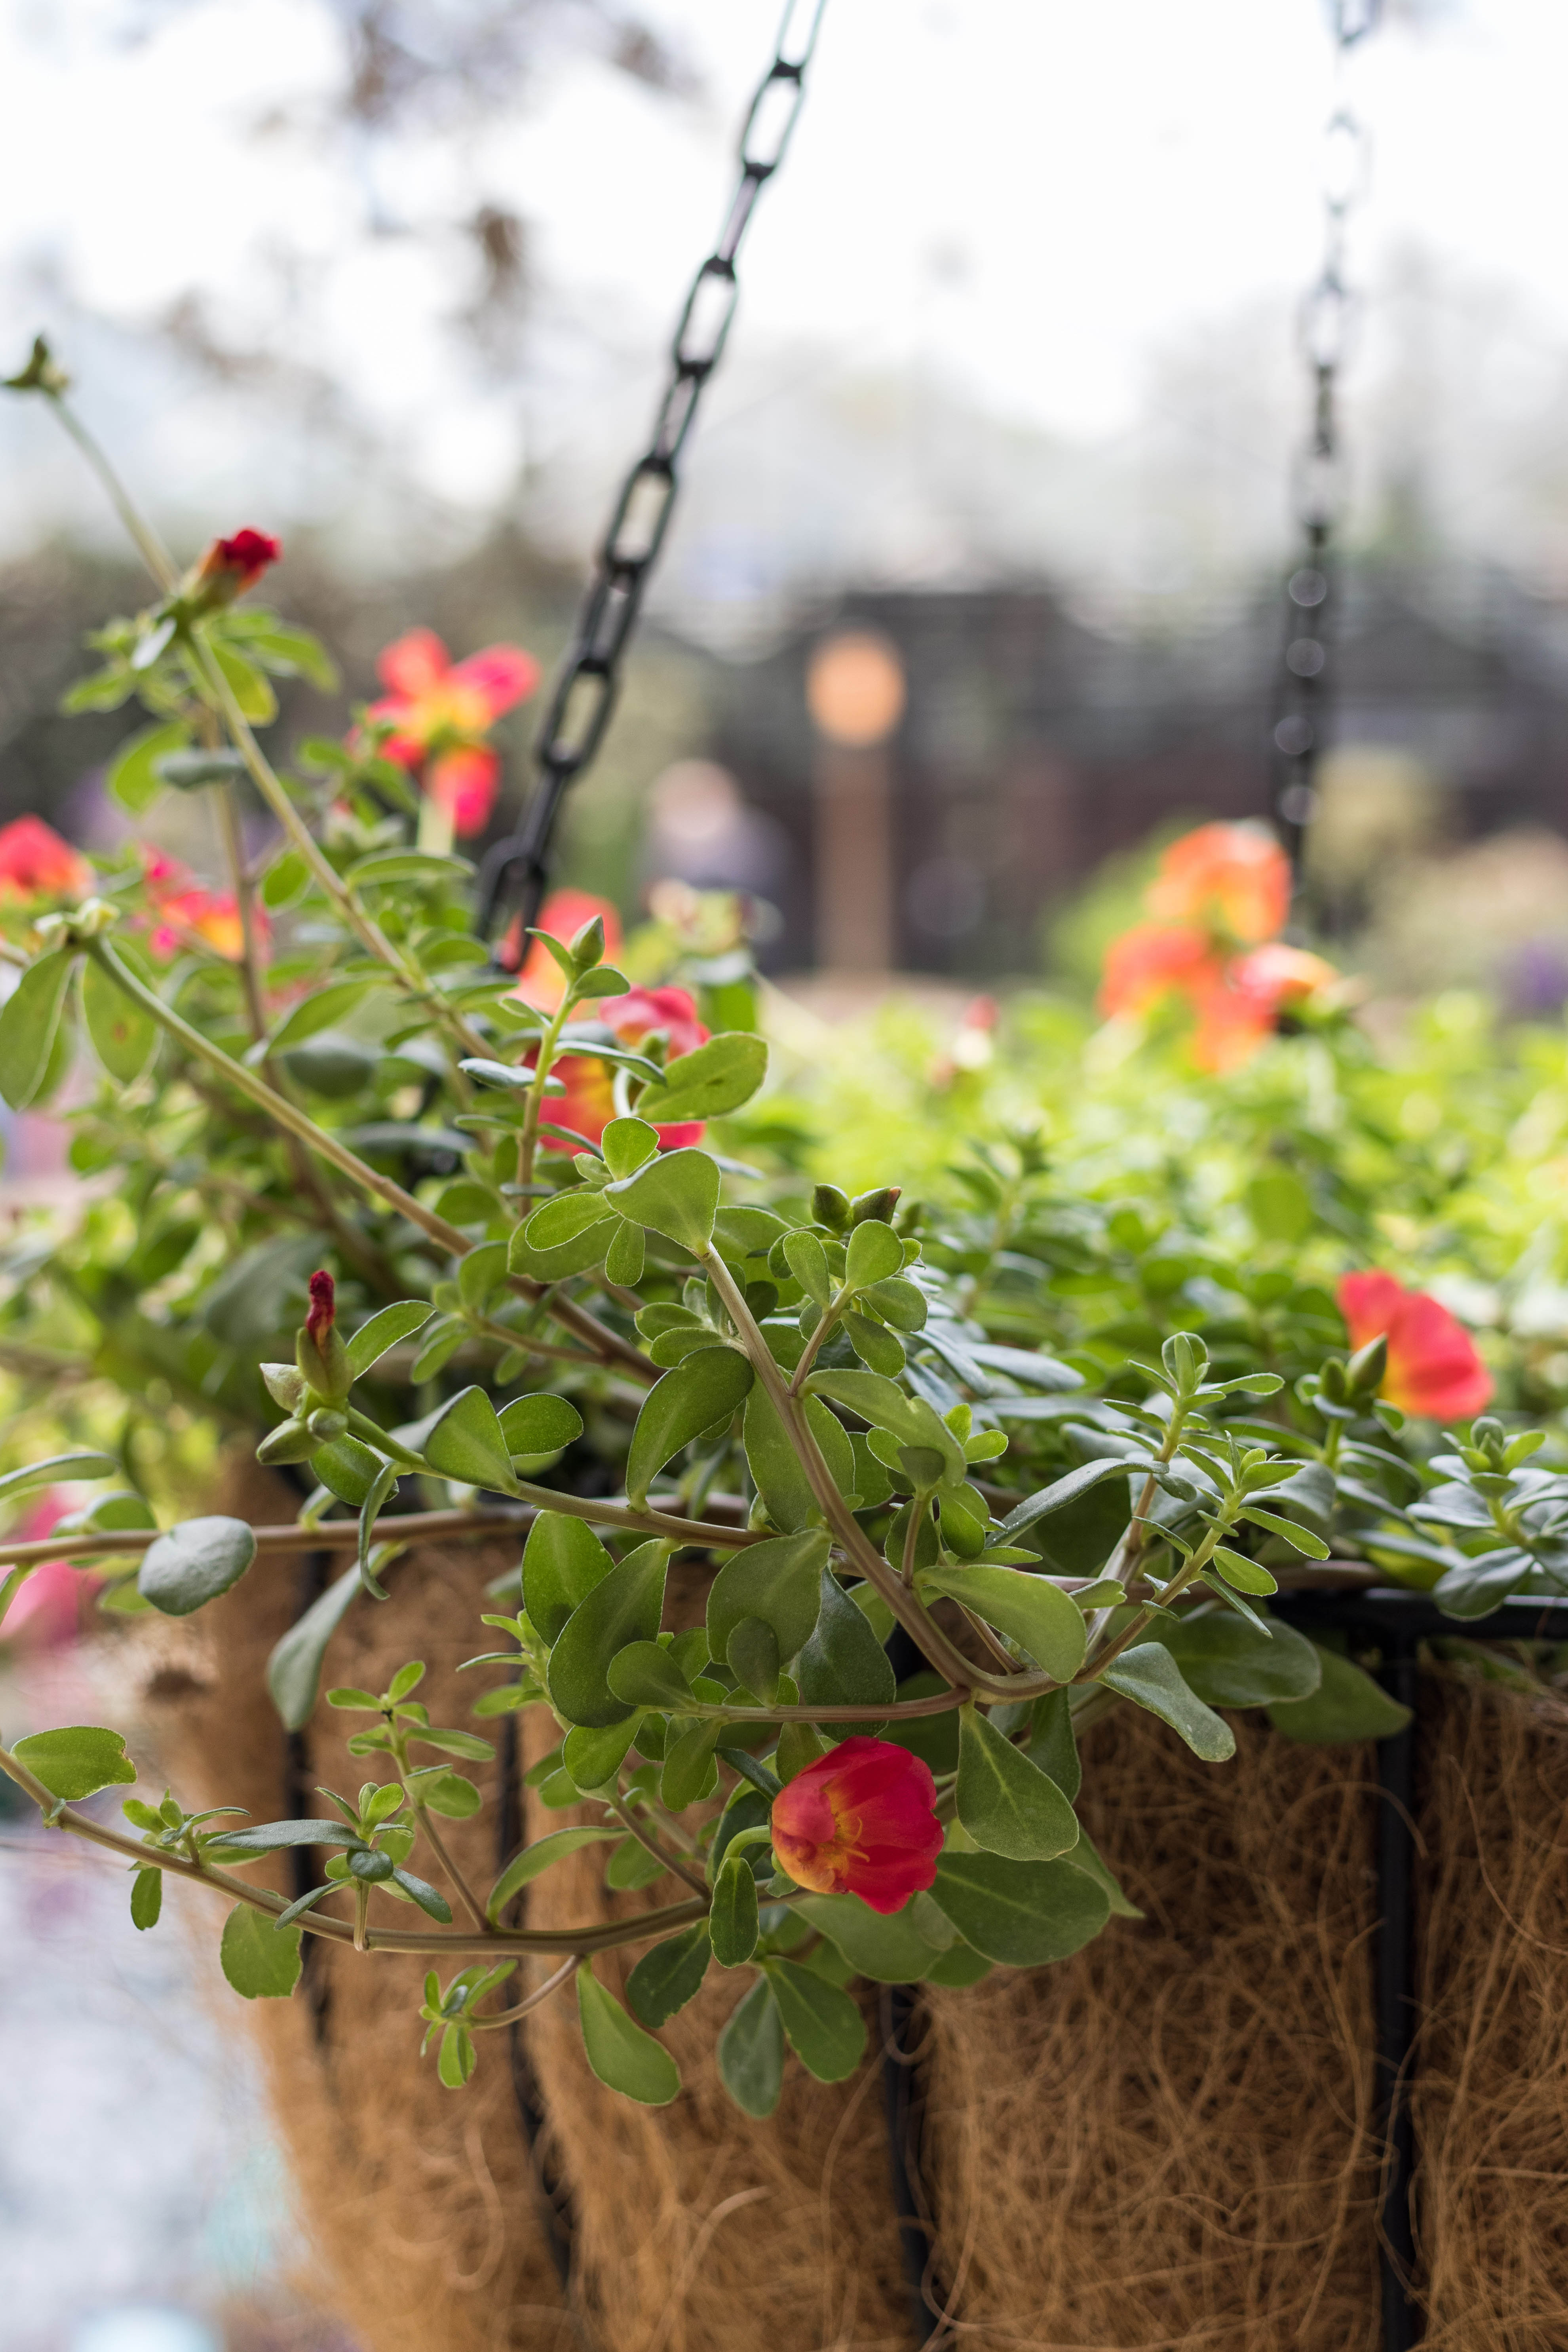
<point>694,2230</point>
<point>1166,2141</point>
<point>1492,2060</point>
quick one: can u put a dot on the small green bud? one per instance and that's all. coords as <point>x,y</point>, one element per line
<point>829,1206</point>
<point>1365,1373</point>
<point>879,1204</point>
<point>587,947</point>
<point>326,1424</point>
<point>42,373</point>
<point>1332,1381</point>
<point>318,1351</point>
<point>291,1442</point>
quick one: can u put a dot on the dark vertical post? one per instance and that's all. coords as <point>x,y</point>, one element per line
<point>1396,1990</point>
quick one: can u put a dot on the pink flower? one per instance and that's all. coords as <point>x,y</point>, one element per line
<point>46,1611</point>
<point>440,712</point>
<point>184,913</point>
<point>1153,961</point>
<point>36,864</point>
<point>1433,1366</point>
<point>861,1820</point>
<point>589,1103</point>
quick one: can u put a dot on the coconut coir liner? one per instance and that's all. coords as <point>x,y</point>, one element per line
<point>1166,2142</point>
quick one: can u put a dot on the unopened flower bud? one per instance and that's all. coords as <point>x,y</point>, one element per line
<point>318,1351</point>
<point>327,1423</point>
<point>879,1204</point>
<point>588,944</point>
<point>291,1440</point>
<point>227,568</point>
<point>42,373</point>
<point>829,1206</point>
<point>1365,1371</point>
<point>1333,1382</point>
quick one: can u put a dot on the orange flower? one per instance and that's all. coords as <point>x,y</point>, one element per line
<point>542,982</point>
<point>1153,961</point>
<point>861,1820</point>
<point>1433,1367</point>
<point>1243,1006</point>
<point>589,1103</point>
<point>1232,880</point>
<point>441,710</point>
<point>36,864</point>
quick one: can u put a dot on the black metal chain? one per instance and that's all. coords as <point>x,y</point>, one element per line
<point>587,685</point>
<point>1302,701</point>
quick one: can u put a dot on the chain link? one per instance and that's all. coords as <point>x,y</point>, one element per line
<point>1302,699</point>
<point>583,699</point>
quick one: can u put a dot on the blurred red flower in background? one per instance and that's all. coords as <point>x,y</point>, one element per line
<point>861,1820</point>
<point>46,1610</point>
<point>542,982</point>
<point>589,1103</point>
<point>36,864</point>
<point>183,912</point>
<point>440,712</point>
<point>1433,1366</point>
<point>1153,960</point>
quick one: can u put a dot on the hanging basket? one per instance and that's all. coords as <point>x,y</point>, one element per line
<point>1169,2141</point>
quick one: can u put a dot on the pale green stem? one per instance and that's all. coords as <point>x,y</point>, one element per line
<point>646,1838</point>
<point>149,546</point>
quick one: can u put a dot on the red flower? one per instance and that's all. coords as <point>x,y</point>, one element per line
<point>589,1103</point>
<point>34,864</point>
<point>542,982</point>
<point>323,1311</point>
<point>1232,880</point>
<point>1433,1366</point>
<point>228,567</point>
<point>860,1822</point>
<point>440,712</point>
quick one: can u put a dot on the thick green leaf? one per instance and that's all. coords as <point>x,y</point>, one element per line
<point>294,1667</point>
<point>466,1442</point>
<point>688,1772</point>
<point>624,1606</point>
<point>670,1975</point>
<point>621,2054</point>
<point>194,1563</point>
<point>776,1467</point>
<point>753,1655</point>
<point>1229,1663</point>
<point>419,865</point>
<point>733,1921</point>
<point>698,1394</point>
<point>146,1898</point>
<point>535,1425</point>
<point>1023,1914</point>
<point>752,2053</point>
<point>716,1078</point>
<point>807,1260</point>
<point>779,1581</point>
<point>561,1562</point>
<point>1060,1493</point>
<point>676,1194</point>
<point>1032,1610</point>
<point>593,1757</point>
<point>348,1469</point>
<point>261,1962</point>
<point>1008,1804</point>
<point>316,1011</point>
<point>645,1676</point>
<point>382,1331</point>
<point>525,1867</point>
<point>1052,1745</point>
<point>1086,1857</point>
<point>881,1403</point>
<point>1302,1538</point>
<point>875,1254</point>
<point>123,1032</point>
<point>54,1471</point>
<point>1347,1704</point>
<point>565,1219</point>
<point>248,684</point>
<point>77,1761</point>
<point>131,776</point>
<point>890,1949</point>
<point>824,2026</point>
<point>843,1664</point>
<point>1148,1675</point>
<point>29,1023</point>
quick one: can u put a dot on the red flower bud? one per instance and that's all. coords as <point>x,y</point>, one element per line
<point>228,567</point>
<point>323,1311</point>
<point>1433,1367</point>
<point>860,1822</point>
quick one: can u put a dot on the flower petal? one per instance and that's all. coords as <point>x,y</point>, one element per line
<point>412,664</point>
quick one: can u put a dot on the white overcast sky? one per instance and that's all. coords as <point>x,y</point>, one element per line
<point>1028,196</point>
